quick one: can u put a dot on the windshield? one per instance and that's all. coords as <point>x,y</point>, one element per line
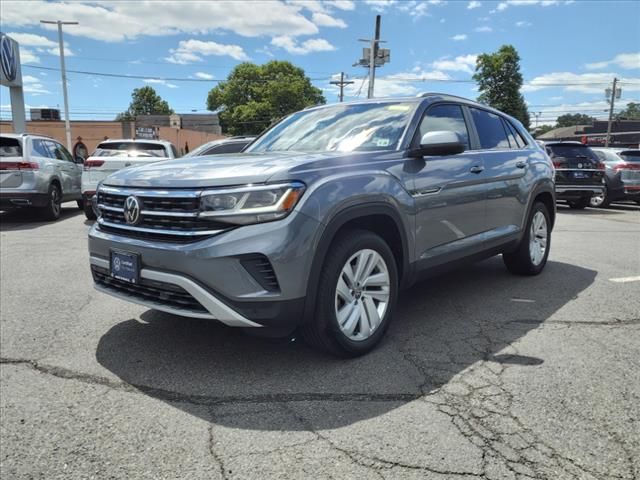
<point>130,149</point>
<point>10,147</point>
<point>341,128</point>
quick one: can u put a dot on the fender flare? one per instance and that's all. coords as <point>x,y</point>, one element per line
<point>339,220</point>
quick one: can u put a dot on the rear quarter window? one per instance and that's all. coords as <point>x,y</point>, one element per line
<point>630,155</point>
<point>10,147</point>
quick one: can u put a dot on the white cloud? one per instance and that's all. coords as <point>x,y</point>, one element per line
<point>204,76</point>
<point>380,5</point>
<point>628,61</point>
<point>484,29</point>
<point>462,63</point>
<point>520,3</point>
<point>118,21</point>
<point>40,43</point>
<point>33,85</point>
<point>158,81</point>
<point>292,46</point>
<point>483,19</point>
<point>583,82</point>
<point>28,56</point>
<point>190,51</point>
<point>459,37</point>
<point>325,20</point>
<point>474,4</point>
<point>341,4</point>
<point>397,84</point>
<point>523,23</point>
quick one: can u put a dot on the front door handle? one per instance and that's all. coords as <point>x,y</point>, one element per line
<point>521,164</point>
<point>476,169</point>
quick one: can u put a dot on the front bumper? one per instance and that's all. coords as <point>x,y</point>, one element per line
<point>214,271</point>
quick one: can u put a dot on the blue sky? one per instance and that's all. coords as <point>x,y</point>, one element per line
<point>570,50</point>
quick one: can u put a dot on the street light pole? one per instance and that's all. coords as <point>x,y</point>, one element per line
<point>67,125</point>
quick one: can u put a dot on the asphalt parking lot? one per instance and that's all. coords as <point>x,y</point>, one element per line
<point>482,375</point>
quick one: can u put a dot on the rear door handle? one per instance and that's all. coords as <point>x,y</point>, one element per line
<point>476,169</point>
<point>521,164</point>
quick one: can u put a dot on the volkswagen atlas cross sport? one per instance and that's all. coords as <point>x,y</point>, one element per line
<point>325,216</point>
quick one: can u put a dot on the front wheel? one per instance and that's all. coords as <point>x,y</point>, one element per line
<point>357,293</point>
<point>88,210</point>
<point>531,255</point>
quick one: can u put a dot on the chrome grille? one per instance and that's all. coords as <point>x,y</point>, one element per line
<point>165,214</point>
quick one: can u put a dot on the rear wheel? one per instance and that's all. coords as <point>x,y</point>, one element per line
<point>80,204</point>
<point>600,200</point>
<point>358,290</point>
<point>54,203</point>
<point>579,204</point>
<point>531,255</point>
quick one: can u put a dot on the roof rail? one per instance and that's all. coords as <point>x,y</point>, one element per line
<point>37,135</point>
<point>430,94</point>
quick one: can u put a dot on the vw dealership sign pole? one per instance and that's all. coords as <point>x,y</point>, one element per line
<point>11,76</point>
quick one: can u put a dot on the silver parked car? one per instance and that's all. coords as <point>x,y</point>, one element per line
<point>37,172</point>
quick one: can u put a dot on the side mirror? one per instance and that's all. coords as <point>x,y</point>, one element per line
<point>79,159</point>
<point>441,142</point>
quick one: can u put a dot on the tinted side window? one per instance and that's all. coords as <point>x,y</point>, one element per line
<point>174,151</point>
<point>490,130</point>
<point>515,139</point>
<point>40,149</point>
<point>445,117</point>
<point>225,148</point>
<point>57,151</point>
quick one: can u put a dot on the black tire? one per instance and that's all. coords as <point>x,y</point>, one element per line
<point>580,204</point>
<point>53,208</point>
<point>80,204</point>
<point>606,200</point>
<point>519,261</point>
<point>88,210</point>
<point>322,331</point>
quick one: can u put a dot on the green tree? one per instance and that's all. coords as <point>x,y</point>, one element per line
<point>632,112</point>
<point>254,96</point>
<point>569,120</point>
<point>145,101</point>
<point>499,82</point>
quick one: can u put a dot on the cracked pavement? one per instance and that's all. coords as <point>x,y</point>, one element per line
<point>482,374</point>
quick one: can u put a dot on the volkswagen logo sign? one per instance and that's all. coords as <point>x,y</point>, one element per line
<point>132,210</point>
<point>8,58</point>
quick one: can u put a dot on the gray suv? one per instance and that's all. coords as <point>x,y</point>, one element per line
<point>321,221</point>
<point>37,172</point>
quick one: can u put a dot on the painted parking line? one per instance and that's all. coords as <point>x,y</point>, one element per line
<point>625,279</point>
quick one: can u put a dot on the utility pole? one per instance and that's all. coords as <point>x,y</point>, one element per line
<point>613,101</point>
<point>373,56</point>
<point>341,83</point>
<point>537,115</point>
<point>67,125</point>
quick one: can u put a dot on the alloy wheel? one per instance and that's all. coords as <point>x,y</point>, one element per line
<point>362,294</point>
<point>538,238</point>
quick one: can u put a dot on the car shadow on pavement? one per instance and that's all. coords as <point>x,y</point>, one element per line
<point>441,327</point>
<point>28,219</point>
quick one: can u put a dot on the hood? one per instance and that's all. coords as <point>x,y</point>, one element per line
<point>216,170</point>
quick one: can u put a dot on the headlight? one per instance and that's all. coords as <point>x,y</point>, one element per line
<point>251,204</point>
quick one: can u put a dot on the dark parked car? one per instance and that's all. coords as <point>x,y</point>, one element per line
<point>579,172</point>
<point>622,176</point>
<point>225,145</point>
<point>321,221</point>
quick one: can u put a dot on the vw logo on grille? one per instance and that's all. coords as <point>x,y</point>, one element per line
<point>132,210</point>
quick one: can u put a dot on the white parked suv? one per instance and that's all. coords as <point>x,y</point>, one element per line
<point>113,155</point>
<point>37,172</point>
